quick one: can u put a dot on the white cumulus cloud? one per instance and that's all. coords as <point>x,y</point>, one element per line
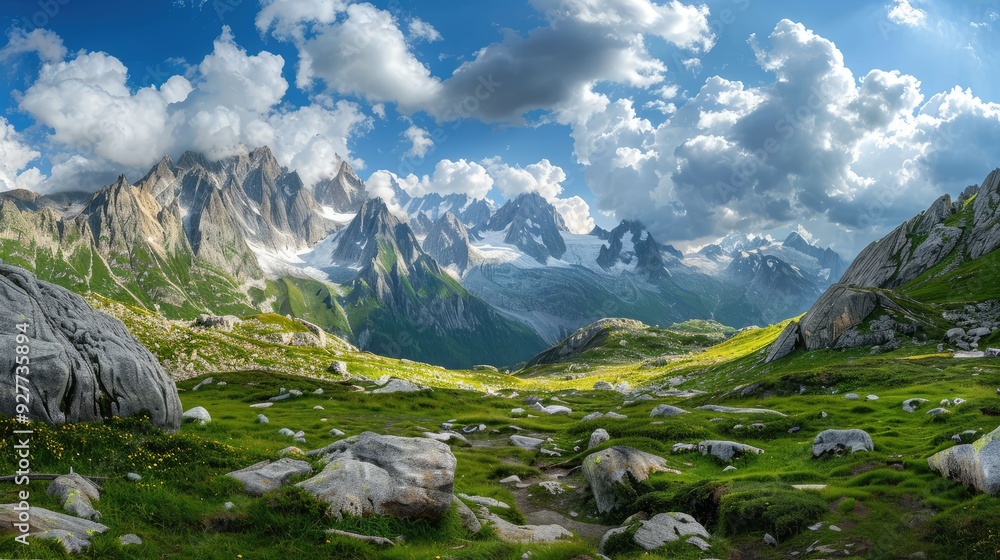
<point>901,12</point>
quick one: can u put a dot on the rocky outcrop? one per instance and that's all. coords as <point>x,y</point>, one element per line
<point>612,473</point>
<point>448,242</point>
<point>585,338</point>
<point>345,193</point>
<point>631,244</point>
<point>85,366</point>
<point>976,465</point>
<point>372,474</point>
<point>532,225</point>
<point>841,441</point>
<point>666,410</point>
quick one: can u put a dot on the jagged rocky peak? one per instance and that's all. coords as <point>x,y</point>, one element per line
<point>344,193</point>
<point>935,236</point>
<point>374,231</point>
<point>448,243</point>
<point>473,212</point>
<point>532,225</point>
<point>630,243</point>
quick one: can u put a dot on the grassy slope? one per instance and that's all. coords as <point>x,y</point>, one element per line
<point>887,502</point>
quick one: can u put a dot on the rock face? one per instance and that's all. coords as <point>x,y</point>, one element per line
<point>85,366</point>
<point>372,474</point>
<point>839,441</point>
<point>910,250</point>
<point>532,225</point>
<point>976,464</point>
<point>266,476</point>
<point>612,472</point>
<point>77,495</point>
<point>448,242</point>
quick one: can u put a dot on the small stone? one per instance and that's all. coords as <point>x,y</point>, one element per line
<point>261,419</point>
<point>872,397</point>
<point>228,505</point>
<point>197,414</point>
<point>318,407</point>
<point>729,468</point>
<point>262,405</point>
<point>133,477</point>
<point>851,397</point>
<point>512,479</point>
<point>938,411</point>
<point>517,411</point>
<point>336,432</point>
<point>769,540</point>
<point>834,528</point>
<point>130,538</point>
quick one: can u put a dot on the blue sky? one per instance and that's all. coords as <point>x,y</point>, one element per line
<point>694,117</point>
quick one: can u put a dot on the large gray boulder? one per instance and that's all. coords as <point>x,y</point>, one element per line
<point>727,450</point>
<point>266,476</point>
<point>77,495</point>
<point>667,410</point>
<point>372,474</point>
<point>976,464</point>
<point>612,471</point>
<point>839,441</point>
<point>398,386</point>
<point>85,366</point>
<point>73,533</point>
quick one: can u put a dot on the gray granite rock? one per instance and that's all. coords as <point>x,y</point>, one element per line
<point>85,365</point>
<point>599,436</point>
<point>839,441</point>
<point>266,476</point>
<point>610,473</point>
<point>667,410</point>
<point>727,450</point>
<point>372,474</point>
<point>976,465</point>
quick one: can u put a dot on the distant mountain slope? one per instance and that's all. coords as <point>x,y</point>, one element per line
<point>402,304</point>
<point>943,255</point>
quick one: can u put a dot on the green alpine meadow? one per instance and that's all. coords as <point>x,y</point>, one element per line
<point>530,280</point>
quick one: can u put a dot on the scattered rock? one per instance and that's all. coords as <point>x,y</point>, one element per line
<point>286,432</point>
<point>484,501</point>
<point>872,397</point>
<point>281,397</point>
<point>727,450</point>
<point>467,517</point>
<point>660,530</point>
<point>729,468</point>
<point>603,386</point>
<point>129,538</point>
<point>517,411</point>
<point>372,474</point>
<point>338,368</point>
<point>938,411</point>
<point>770,540</point>
<point>550,453</point>
<point>976,465</point>
<point>223,322</point>
<point>446,437</point>
<point>202,384</point>
<point>398,386</point>
<point>838,441</point>
<point>852,396</point>
<point>76,494</point>
<point>610,473</point>
<point>684,447</point>
<point>552,409</point>
<point>667,410</point>
<point>552,486</point>
<point>525,533</point>
<point>336,433</point>
<point>512,479</point>
<point>133,477</point>
<point>197,414</point>
<point>731,410</point>
<point>911,405</point>
<point>318,407</point>
<point>72,532</point>
<point>261,419</point>
<point>599,436</point>
<point>262,405</point>
<point>525,442</point>
<point>291,450</point>
<point>265,476</point>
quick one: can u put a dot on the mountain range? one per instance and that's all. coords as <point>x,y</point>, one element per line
<point>449,280</point>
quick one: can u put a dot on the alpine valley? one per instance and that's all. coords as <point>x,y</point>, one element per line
<point>448,280</point>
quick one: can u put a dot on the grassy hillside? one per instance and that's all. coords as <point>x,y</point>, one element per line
<point>886,503</point>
